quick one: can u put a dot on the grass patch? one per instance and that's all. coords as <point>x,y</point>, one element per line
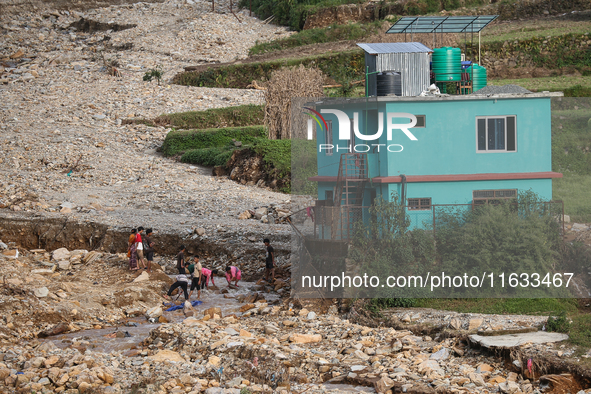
<point>580,330</point>
<point>567,50</point>
<point>574,190</point>
<point>179,142</point>
<point>571,155</point>
<point>340,66</point>
<point>552,84</point>
<point>509,306</point>
<point>243,115</point>
<point>209,157</point>
<point>214,147</point>
<point>351,31</point>
<point>291,13</point>
<point>525,30</point>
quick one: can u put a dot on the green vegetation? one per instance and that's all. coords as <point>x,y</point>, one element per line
<point>178,142</point>
<point>580,331</point>
<point>209,157</point>
<point>571,155</point>
<point>303,164</point>
<point>558,323</point>
<point>341,66</point>
<point>509,306</point>
<point>553,53</point>
<point>243,115</point>
<point>275,153</point>
<point>214,147</point>
<point>468,242</point>
<point>291,13</point>
<point>574,190</point>
<point>571,86</point>
<point>351,31</point>
<point>525,30</point>
<point>154,73</point>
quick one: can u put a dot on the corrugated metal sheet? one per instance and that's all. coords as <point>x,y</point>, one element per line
<point>413,69</point>
<point>394,47</point>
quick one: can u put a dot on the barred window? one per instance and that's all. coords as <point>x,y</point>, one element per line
<point>419,204</point>
<point>482,197</point>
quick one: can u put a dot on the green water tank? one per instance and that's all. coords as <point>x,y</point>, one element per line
<point>478,75</point>
<point>447,64</point>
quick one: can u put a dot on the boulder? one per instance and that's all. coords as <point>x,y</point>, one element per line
<point>212,311</point>
<point>59,328</point>
<point>167,355</point>
<point>155,312</point>
<point>305,338</point>
<point>244,215</point>
<point>41,292</point>
<point>142,277</point>
<point>10,253</point>
<point>246,307</point>
<point>61,254</point>
<point>475,323</point>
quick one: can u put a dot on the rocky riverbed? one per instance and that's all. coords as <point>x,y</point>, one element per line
<point>69,80</point>
<point>74,171</point>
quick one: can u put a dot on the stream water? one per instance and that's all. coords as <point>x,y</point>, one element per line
<point>105,340</point>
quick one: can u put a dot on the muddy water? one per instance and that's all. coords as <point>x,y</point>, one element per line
<point>105,340</point>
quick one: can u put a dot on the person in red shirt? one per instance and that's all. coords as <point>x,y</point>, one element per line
<point>139,246</point>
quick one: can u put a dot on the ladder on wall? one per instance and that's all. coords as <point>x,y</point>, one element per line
<point>348,198</point>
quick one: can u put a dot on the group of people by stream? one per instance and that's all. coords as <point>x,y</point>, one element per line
<point>191,274</point>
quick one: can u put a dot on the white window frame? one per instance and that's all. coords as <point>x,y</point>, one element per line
<point>486,118</point>
<point>419,207</point>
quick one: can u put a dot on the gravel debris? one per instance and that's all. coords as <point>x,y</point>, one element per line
<point>505,89</point>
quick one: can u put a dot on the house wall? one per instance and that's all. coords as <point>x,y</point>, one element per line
<point>447,145</point>
<point>461,192</point>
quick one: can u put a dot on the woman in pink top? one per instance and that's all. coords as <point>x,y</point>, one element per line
<point>201,282</point>
<point>206,276</point>
<point>233,274</point>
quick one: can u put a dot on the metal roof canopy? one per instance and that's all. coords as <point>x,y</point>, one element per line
<point>441,24</point>
<point>395,47</point>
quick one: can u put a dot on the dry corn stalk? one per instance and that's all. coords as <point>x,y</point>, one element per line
<point>286,84</point>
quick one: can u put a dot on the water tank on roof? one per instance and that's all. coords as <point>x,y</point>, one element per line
<point>478,75</point>
<point>447,64</point>
<point>389,82</point>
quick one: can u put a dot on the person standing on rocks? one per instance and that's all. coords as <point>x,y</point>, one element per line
<point>139,246</point>
<point>131,252</point>
<point>233,274</point>
<point>269,260</point>
<point>149,248</point>
<point>180,260</point>
<point>195,270</point>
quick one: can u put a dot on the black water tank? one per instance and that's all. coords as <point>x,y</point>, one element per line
<point>389,82</point>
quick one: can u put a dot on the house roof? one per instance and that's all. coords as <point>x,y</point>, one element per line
<point>441,24</point>
<point>441,97</point>
<point>505,89</point>
<point>394,47</point>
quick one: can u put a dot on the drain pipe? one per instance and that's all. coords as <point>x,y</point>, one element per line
<point>402,191</point>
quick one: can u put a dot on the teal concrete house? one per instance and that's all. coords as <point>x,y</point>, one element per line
<point>428,150</point>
